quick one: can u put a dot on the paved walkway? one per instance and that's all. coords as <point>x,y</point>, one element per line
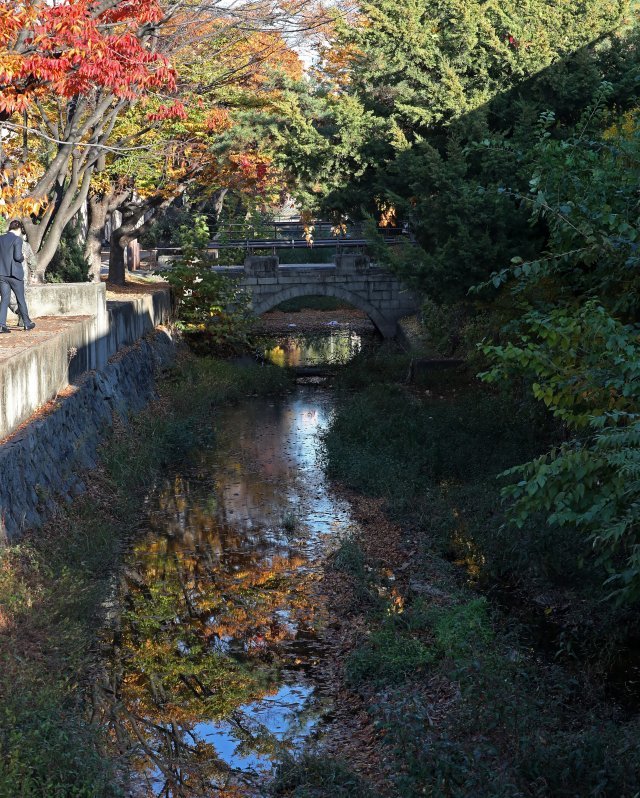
<point>48,327</point>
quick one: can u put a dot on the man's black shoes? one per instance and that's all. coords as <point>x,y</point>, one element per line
<point>4,329</point>
<point>30,326</point>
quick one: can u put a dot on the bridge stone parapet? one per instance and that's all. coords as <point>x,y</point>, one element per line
<point>352,278</point>
<point>352,263</point>
<point>261,265</point>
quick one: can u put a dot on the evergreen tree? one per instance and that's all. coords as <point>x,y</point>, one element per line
<point>432,110</point>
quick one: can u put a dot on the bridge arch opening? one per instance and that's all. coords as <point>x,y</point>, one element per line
<point>384,326</point>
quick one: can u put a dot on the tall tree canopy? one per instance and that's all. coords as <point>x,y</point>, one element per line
<point>406,90</point>
<point>87,83</point>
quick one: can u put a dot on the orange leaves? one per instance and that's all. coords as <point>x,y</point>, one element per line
<point>70,49</point>
<point>217,120</point>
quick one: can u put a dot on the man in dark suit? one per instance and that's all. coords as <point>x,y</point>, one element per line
<point>12,276</point>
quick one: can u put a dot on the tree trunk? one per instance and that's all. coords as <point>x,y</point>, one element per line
<point>98,210</point>
<point>118,245</point>
<point>130,230</point>
<point>217,201</point>
<point>61,210</point>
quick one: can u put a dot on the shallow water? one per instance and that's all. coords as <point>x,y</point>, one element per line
<point>220,609</point>
<point>334,348</point>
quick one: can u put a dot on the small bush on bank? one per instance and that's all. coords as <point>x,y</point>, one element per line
<point>461,631</point>
<point>388,657</point>
<point>213,311</point>
<point>404,646</point>
<point>69,264</point>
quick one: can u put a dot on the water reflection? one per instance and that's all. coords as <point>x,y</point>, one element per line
<point>308,349</point>
<point>220,611</point>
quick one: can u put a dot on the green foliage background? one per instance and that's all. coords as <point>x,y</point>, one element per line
<point>212,311</point>
<point>505,136</point>
<point>69,264</point>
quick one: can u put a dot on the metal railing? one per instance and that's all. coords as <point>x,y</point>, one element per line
<point>251,245</point>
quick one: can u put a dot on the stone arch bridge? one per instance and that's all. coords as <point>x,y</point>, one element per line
<point>351,278</point>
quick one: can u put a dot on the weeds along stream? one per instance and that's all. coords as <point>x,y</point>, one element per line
<point>294,589</point>
<point>471,692</point>
<point>57,588</point>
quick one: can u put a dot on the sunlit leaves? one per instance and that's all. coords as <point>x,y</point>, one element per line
<point>73,47</point>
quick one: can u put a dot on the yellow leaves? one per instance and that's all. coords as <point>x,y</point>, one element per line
<point>15,188</point>
<point>388,214</point>
<point>100,182</point>
<point>339,229</point>
<point>626,127</point>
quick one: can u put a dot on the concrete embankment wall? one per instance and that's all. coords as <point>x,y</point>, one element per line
<point>45,459</point>
<point>92,331</point>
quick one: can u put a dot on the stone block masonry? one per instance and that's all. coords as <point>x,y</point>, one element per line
<point>352,278</point>
<point>45,459</point>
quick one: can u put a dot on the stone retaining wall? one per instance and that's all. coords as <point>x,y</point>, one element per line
<point>44,460</point>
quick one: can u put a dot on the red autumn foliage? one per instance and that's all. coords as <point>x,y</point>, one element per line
<point>76,46</point>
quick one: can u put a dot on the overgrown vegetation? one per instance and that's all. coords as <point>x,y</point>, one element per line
<point>213,312</point>
<point>506,141</point>
<point>465,705</point>
<point>54,582</point>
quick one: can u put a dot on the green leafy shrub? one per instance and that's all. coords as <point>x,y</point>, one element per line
<point>44,754</point>
<point>462,630</point>
<point>69,264</point>
<point>585,366</point>
<point>213,311</point>
<point>388,656</point>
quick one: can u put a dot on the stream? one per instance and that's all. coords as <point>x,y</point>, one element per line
<point>220,615</point>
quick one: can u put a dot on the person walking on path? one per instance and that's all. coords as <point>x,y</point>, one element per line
<point>32,275</point>
<point>12,276</point>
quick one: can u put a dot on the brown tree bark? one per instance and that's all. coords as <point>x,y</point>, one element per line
<point>129,229</point>
<point>99,208</point>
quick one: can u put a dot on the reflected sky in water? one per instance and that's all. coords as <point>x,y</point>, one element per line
<point>220,608</point>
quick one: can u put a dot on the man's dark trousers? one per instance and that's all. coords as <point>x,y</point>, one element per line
<point>12,276</point>
<point>7,285</point>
